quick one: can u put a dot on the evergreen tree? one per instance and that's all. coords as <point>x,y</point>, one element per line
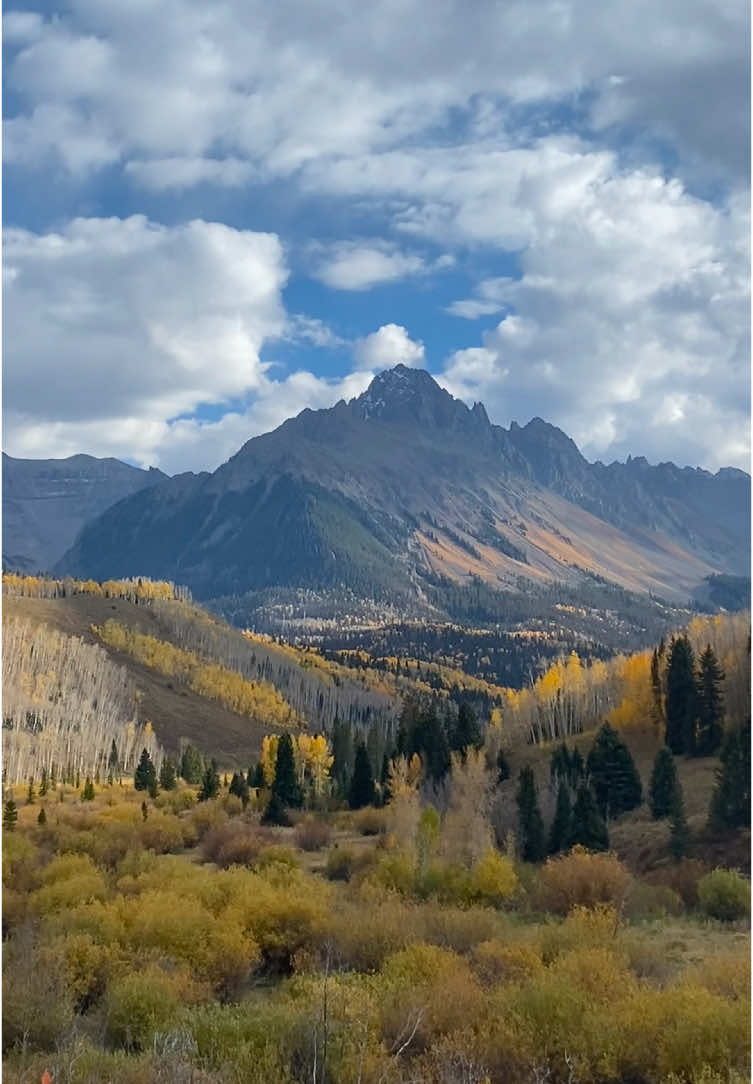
<point>257,780</point>
<point>680,709</point>
<point>530,824</point>
<point>167,777</point>
<point>30,794</point>
<point>239,787</point>
<point>42,818</point>
<point>559,766</point>
<point>362,784</point>
<point>561,829</point>
<point>285,787</point>
<point>613,774</point>
<point>466,732</point>
<point>113,760</point>
<point>503,768</point>
<point>577,769</point>
<point>145,777</point>
<point>730,802</point>
<point>43,783</point>
<point>54,775</point>
<point>210,784</point>
<point>191,765</point>
<point>589,827</point>
<point>679,833</point>
<point>430,739</point>
<point>342,752</point>
<point>10,815</point>
<point>710,704</point>
<point>657,683</point>
<point>275,813</point>
<point>663,782</point>
<point>87,794</point>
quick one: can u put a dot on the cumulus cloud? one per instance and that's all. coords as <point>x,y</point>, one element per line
<point>390,345</point>
<point>124,325</point>
<point>354,265</point>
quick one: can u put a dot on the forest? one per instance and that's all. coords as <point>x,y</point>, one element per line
<point>547,883</point>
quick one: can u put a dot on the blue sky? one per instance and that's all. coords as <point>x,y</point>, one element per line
<point>217,215</point>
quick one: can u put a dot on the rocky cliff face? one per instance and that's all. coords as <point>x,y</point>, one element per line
<point>405,486</point>
<point>46,502</point>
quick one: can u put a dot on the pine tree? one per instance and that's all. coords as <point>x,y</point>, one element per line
<point>113,761</point>
<point>680,709</point>
<point>257,780</point>
<point>191,765</point>
<point>560,768</point>
<point>657,683</point>
<point>430,737</point>
<point>145,776</point>
<point>730,802</point>
<point>577,769</point>
<point>362,784</point>
<point>530,823</point>
<point>342,752</point>
<point>87,794</point>
<point>30,794</point>
<point>503,768</point>
<point>663,783</point>
<point>210,784</point>
<point>10,815</point>
<point>466,733</point>
<point>285,787</point>
<point>239,787</point>
<point>42,818</point>
<point>275,813</point>
<point>613,775</point>
<point>679,833</point>
<point>167,777</point>
<point>561,829</point>
<point>43,783</point>
<point>589,827</point>
<point>710,704</point>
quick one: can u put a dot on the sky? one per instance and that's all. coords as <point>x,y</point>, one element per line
<point>218,214</point>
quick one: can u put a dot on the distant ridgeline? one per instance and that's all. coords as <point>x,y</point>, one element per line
<point>138,589</point>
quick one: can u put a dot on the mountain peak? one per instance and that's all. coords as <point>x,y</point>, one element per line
<point>406,395</point>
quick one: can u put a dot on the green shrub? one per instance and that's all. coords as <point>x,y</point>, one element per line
<point>724,894</point>
<point>140,1004</point>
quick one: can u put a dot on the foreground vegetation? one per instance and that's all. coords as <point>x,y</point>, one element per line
<point>174,939</point>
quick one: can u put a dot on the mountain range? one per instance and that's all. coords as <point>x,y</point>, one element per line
<point>393,496</point>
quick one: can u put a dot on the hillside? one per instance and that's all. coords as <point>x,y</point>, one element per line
<point>46,502</point>
<point>403,496</point>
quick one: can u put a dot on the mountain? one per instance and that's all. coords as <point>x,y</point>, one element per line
<point>405,491</point>
<point>46,502</point>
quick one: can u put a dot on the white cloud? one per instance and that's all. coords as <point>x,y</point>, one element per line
<point>178,173</point>
<point>490,298</point>
<point>390,345</point>
<point>355,265</point>
<point>117,326</point>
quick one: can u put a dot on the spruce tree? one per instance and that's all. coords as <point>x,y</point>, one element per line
<point>679,833</point>
<point>342,752</point>
<point>239,787</point>
<point>285,787</point>
<point>710,704</point>
<point>257,780</point>
<point>113,760</point>
<point>191,765</point>
<point>42,818</point>
<point>657,683</point>
<point>680,709</point>
<point>577,768</point>
<point>87,794</point>
<point>559,766</point>
<point>730,802</point>
<point>662,785</point>
<point>10,815</point>
<point>561,829</point>
<point>613,775</point>
<point>589,828</point>
<point>275,813</point>
<point>145,777</point>
<point>430,737</point>
<point>43,783</point>
<point>167,777</point>
<point>210,783</point>
<point>362,784</point>
<point>530,823</point>
<point>466,732</point>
